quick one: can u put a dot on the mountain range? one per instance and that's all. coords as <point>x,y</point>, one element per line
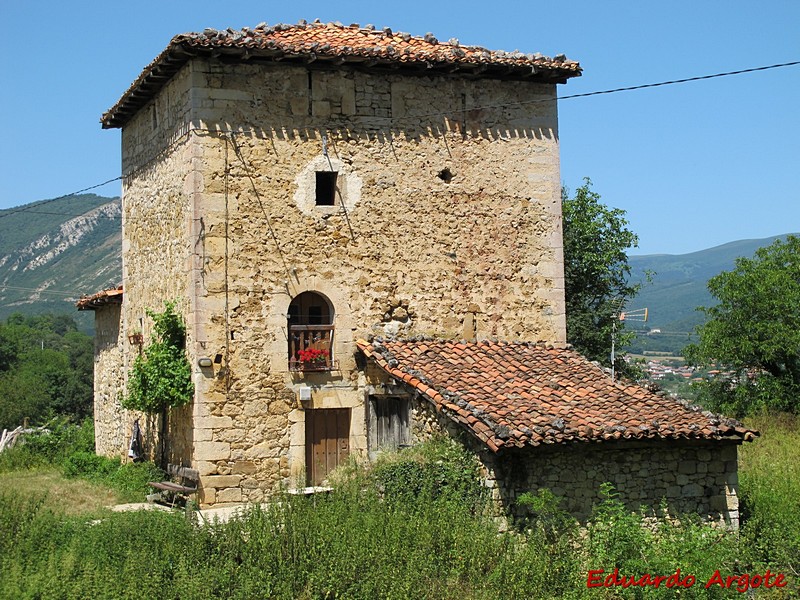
<point>53,251</point>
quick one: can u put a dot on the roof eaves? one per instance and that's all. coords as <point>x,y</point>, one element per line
<point>499,430</point>
<point>257,45</point>
<point>102,298</point>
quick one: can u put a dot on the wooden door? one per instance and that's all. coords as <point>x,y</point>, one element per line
<point>327,442</point>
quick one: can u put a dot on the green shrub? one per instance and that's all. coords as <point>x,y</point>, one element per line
<point>60,440</point>
<point>439,469</point>
<point>128,479</point>
<point>621,539</point>
<point>161,377</point>
<point>89,466</point>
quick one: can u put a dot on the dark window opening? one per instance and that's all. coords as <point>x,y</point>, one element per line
<point>315,315</point>
<point>326,188</point>
<point>445,175</point>
<point>389,419</point>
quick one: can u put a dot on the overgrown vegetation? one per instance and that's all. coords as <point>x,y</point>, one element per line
<point>769,478</point>
<point>161,377</point>
<point>406,529</point>
<point>69,449</point>
<point>45,369</point>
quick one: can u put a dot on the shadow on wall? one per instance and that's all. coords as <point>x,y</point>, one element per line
<point>420,129</point>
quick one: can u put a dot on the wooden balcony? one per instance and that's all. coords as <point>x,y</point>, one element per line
<point>311,337</point>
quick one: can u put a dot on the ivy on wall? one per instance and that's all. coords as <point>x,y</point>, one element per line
<point>161,377</point>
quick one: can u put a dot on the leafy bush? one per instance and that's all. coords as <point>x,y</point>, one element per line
<point>59,440</point>
<point>161,377</point>
<point>620,539</point>
<point>437,469</point>
<point>128,479</point>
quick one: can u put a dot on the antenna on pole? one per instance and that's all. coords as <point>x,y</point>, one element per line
<point>639,314</point>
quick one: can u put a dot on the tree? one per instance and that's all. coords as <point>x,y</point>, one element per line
<point>596,271</point>
<point>754,332</point>
<point>45,369</point>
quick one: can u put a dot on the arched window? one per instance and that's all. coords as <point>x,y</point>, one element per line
<point>310,333</point>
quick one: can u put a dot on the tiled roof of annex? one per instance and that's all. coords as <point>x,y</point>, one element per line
<point>336,44</point>
<point>519,394</point>
<point>95,301</point>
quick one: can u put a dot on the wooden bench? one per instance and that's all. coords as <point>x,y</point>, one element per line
<point>183,482</point>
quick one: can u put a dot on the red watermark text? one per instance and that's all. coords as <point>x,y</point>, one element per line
<point>741,583</point>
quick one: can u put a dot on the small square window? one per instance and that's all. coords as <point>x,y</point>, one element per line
<point>326,188</point>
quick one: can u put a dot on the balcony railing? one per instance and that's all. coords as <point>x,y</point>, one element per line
<point>311,337</point>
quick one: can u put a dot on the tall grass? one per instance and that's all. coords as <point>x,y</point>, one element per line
<point>769,481</point>
<point>412,527</point>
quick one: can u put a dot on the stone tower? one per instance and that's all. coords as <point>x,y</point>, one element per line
<point>297,188</point>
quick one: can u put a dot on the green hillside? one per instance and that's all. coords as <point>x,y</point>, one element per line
<point>677,288</point>
<point>53,251</point>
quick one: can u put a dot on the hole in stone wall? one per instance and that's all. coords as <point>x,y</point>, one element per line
<point>445,175</point>
<point>326,188</point>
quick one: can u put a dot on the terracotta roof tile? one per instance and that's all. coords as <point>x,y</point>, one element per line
<point>518,394</point>
<point>338,44</point>
<point>110,296</point>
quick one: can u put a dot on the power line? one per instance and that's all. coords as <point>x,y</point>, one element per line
<point>686,80</point>
<point>609,91</point>
<point>38,291</point>
<point>26,208</point>
<point>456,110</point>
<point>63,214</point>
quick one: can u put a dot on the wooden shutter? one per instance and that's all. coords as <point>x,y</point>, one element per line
<point>389,422</point>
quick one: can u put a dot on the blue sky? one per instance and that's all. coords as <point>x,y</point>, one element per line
<point>693,165</point>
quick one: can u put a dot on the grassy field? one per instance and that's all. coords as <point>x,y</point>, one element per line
<point>67,496</point>
<point>412,527</point>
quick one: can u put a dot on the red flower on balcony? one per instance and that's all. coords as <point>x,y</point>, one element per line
<point>313,355</point>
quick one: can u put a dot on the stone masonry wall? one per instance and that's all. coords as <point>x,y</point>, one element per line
<point>445,224</point>
<point>110,431</point>
<point>693,477</point>
<point>158,223</point>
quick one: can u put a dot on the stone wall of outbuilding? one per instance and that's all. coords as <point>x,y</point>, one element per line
<point>111,426</point>
<point>691,477</point>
